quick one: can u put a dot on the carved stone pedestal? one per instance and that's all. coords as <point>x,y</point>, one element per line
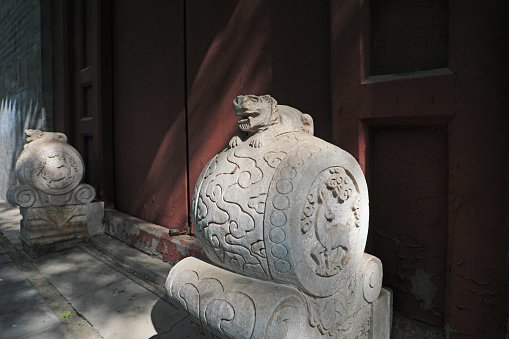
<point>230,305</point>
<point>53,203</point>
<point>288,213</point>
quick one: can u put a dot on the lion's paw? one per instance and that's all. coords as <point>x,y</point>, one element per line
<point>256,142</point>
<point>235,141</point>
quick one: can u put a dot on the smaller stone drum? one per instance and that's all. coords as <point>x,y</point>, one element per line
<point>55,168</point>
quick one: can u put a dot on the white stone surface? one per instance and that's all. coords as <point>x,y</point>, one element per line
<point>234,306</point>
<point>286,209</point>
<point>53,202</point>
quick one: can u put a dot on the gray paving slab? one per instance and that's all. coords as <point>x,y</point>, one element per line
<point>11,232</point>
<point>13,282</point>
<point>19,299</point>
<point>166,329</point>
<point>104,297</point>
<point>4,258</point>
<point>8,269</point>
<point>75,324</point>
<point>27,321</point>
<point>10,213</point>
<point>54,332</point>
<point>126,310</point>
<point>75,272</point>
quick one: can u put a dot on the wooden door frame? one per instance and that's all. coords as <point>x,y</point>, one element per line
<point>66,80</point>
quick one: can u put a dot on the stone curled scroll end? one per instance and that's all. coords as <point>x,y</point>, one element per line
<point>224,312</point>
<point>23,195</point>
<point>84,193</point>
<point>372,275</point>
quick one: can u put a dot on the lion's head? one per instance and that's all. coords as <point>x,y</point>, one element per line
<point>257,112</point>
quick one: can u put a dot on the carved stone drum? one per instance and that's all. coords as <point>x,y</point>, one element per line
<point>53,202</point>
<point>56,169</point>
<point>294,210</point>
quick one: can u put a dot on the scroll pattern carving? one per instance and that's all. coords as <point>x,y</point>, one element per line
<point>357,326</point>
<point>227,222</point>
<point>285,321</point>
<point>230,205</point>
<point>229,314</point>
<point>24,196</point>
<point>327,313</point>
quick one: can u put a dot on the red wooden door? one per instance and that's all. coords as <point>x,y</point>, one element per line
<point>149,111</point>
<point>404,77</point>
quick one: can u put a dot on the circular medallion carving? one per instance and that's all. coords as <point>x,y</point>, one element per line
<point>53,167</point>
<point>326,212</point>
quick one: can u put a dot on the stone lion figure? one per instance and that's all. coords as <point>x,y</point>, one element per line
<point>263,119</point>
<point>35,137</point>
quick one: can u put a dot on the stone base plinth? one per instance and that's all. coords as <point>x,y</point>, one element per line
<point>52,228</point>
<point>230,305</point>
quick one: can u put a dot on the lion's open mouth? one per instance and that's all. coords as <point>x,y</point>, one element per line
<point>244,123</point>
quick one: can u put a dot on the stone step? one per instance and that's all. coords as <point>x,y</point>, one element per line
<point>153,269</point>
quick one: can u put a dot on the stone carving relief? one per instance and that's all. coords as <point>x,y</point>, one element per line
<point>281,207</point>
<point>332,212</point>
<point>50,194</point>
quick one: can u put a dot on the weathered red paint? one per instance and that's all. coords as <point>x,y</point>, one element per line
<point>410,210</point>
<point>143,237</point>
<point>192,247</point>
<point>173,253</point>
<point>151,239</point>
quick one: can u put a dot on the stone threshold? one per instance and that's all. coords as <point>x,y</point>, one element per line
<point>151,239</point>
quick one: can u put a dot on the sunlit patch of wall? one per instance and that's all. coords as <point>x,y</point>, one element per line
<point>26,96</point>
<point>14,119</point>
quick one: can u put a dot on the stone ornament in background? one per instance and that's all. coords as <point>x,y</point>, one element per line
<point>287,212</point>
<point>52,200</point>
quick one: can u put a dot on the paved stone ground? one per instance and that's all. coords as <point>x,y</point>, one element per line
<point>104,299</point>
